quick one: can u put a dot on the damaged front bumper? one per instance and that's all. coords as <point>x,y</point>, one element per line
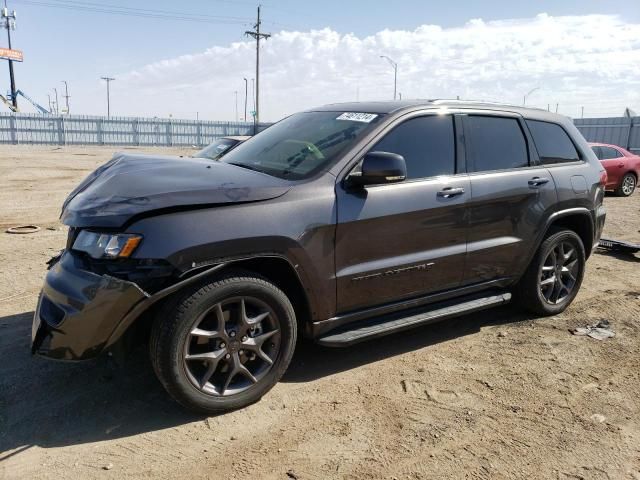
<point>78,311</point>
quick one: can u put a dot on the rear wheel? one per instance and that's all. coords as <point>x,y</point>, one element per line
<point>555,274</point>
<point>627,185</point>
<point>224,344</point>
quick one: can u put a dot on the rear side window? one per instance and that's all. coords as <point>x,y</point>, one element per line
<point>552,142</point>
<point>598,152</point>
<point>426,143</point>
<point>494,143</point>
<point>608,152</point>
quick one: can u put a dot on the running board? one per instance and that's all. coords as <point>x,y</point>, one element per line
<point>388,324</point>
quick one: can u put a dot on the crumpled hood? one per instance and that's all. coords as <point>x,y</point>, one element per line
<point>130,185</point>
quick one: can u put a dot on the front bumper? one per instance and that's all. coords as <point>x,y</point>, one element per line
<point>78,310</point>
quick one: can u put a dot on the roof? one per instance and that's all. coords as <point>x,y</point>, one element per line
<point>394,106</point>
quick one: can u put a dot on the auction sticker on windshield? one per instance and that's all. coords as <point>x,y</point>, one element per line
<point>358,117</point>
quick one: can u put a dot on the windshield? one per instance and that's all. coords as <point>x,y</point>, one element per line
<point>217,149</point>
<point>303,144</point>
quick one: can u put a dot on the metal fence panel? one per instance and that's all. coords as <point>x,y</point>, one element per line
<point>36,129</point>
<point>622,131</point>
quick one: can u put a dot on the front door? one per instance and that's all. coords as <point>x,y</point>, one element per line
<point>404,240</point>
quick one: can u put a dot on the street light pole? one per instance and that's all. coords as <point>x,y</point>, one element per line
<point>57,104</point>
<point>108,80</point>
<point>66,95</point>
<point>395,74</point>
<point>246,91</point>
<point>236,95</point>
<point>524,100</point>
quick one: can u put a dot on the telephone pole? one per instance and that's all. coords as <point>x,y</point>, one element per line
<point>10,24</point>
<point>108,80</point>
<point>258,36</point>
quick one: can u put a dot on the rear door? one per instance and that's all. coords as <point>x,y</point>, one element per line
<point>614,163</point>
<point>511,196</point>
<point>408,239</point>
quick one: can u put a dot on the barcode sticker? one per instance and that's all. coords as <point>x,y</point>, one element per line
<point>358,117</point>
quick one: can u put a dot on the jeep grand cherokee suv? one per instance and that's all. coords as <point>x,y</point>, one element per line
<point>342,224</point>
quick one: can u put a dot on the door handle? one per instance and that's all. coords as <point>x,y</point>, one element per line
<point>449,192</point>
<point>620,165</point>
<point>538,181</point>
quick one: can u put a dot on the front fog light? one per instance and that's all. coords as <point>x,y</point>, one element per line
<point>106,245</point>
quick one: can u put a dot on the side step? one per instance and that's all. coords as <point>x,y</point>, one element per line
<point>388,324</point>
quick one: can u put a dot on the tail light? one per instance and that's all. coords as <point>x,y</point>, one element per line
<point>603,178</point>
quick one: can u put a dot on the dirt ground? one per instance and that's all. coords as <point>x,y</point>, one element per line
<point>496,395</point>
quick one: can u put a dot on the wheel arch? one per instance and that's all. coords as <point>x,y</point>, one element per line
<point>577,220</point>
<point>274,268</point>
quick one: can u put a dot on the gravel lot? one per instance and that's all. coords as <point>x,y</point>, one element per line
<point>498,394</point>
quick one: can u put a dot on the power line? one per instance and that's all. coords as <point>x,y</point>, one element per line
<point>138,12</point>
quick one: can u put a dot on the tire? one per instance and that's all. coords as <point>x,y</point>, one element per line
<point>627,185</point>
<point>536,291</point>
<point>223,344</point>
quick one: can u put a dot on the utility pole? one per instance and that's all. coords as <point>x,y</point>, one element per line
<point>395,74</point>
<point>258,36</point>
<point>557,105</point>
<point>582,112</point>
<point>50,108</point>
<point>66,95</point>
<point>108,80</point>
<point>246,92</point>
<point>10,24</point>
<point>57,103</point>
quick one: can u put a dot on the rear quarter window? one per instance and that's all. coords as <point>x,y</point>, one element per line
<point>552,142</point>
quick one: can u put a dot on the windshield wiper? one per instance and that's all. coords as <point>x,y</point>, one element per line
<point>248,167</point>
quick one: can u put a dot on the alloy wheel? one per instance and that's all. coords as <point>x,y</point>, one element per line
<point>628,184</point>
<point>231,346</point>
<point>559,273</point>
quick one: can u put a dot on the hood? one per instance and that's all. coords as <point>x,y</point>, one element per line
<point>130,185</point>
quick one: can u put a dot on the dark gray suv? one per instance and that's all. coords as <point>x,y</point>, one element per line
<point>342,224</point>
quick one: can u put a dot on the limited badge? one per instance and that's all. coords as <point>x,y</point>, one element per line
<point>358,117</point>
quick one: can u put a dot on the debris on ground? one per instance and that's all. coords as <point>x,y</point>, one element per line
<point>292,474</point>
<point>599,331</point>
<point>22,229</point>
<point>618,246</point>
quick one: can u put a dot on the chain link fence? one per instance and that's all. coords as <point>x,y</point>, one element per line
<point>37,129</point>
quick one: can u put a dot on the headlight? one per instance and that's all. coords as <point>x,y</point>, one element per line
<point>106,245</point>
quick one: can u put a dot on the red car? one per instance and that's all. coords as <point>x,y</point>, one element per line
<point>622,166</point>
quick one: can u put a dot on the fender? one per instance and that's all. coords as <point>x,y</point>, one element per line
<point>212,267</point>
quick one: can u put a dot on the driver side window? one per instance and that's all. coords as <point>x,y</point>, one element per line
<point>426,143</point>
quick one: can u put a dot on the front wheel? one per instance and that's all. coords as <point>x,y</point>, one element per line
<point>627,185</point>
<point>224,344</point>
<point>555,274</point>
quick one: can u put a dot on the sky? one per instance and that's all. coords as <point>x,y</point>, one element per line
<point>189,63</point>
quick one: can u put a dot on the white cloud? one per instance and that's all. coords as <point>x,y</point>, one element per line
<point>590,60</point>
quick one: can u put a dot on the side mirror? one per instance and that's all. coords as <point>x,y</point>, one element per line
<point>380,168</point>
